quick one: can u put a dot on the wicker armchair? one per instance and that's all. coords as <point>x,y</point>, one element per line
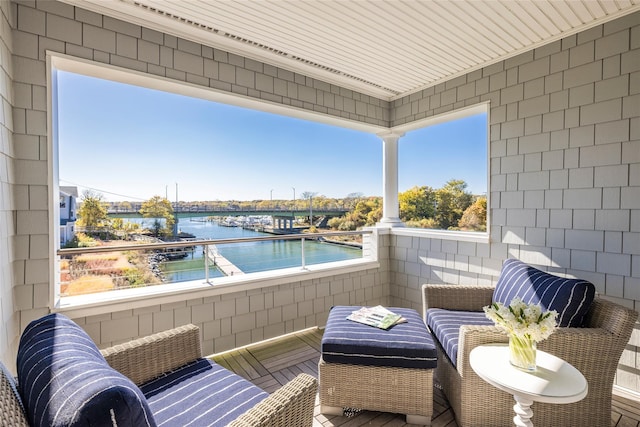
<point>147,358</point>
<point>156,356</point>
<point>594,349</point>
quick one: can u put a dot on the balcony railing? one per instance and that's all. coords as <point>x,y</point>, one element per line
<point>117,264</point>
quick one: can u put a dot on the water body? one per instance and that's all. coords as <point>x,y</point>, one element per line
<point>253,256</point>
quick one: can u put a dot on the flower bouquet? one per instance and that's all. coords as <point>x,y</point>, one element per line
<point>526,325</point>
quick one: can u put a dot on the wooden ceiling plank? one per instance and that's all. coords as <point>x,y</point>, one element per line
<point>433,38</point>
<point>518,18</point>
<point>497,22</point>
<point>609,6</point>
<point>595,9</point>
<point>567,13</point>
<point>312,48</point>
<point>539,13</point>
<point>581,10</point>
<point>423,42</point>
<point>453,15</point>
<point>397,56</point>
<point>240,23</point>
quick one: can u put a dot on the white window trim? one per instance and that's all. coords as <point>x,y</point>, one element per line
<point>465,236</point>
<point>461,236</point>
<point>142,297</point>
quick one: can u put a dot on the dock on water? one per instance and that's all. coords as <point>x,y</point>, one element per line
<point>223,264</point>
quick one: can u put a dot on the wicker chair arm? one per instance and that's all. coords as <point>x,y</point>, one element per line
<point>471,336</point>
<point>583,346</point>
<point>291,405</point>
<point>456,297</point>
<point>149,357</point>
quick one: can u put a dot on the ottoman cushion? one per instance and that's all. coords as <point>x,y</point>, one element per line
<point>406,345</point>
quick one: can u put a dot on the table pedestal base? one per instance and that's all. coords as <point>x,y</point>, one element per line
<point>523,411</point>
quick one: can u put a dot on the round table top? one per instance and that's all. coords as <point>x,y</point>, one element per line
<point>554,380</point>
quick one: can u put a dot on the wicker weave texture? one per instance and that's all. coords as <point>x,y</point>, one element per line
<point>595,350</point>
<point>290,405</point>
<point>11,413</point>
<point>377,388</point>
<point>147,358</point>
<point>465,298</point>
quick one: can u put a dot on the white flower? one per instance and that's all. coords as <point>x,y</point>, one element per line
<point>523,320</point>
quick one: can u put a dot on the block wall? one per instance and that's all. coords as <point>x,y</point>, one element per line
<point>240,318</point>
<point>564,171</point>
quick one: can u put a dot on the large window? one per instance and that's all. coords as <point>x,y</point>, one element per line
<point>148,165</point>
<point>443,173</point>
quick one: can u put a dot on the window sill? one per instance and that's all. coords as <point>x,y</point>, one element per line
<point>461,236</point>
<point>108,302</point>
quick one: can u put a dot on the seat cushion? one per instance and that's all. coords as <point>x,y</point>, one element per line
<point>571,298</point>
<point>201,393</point>
<point>445,326</point>
<point>65,381</point>
<point>406,345</point>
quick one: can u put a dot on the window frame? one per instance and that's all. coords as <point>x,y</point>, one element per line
<point>104,302</point>
<point>465,236</point>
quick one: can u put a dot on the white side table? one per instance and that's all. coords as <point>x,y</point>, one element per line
<point>554,381</point>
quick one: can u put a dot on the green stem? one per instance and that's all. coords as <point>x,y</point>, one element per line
<point>522,352</point>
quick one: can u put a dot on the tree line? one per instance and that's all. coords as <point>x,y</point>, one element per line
<point>451,207</point>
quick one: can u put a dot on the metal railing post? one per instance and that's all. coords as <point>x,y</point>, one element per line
<point>205,248</point>
<point>302,252</point>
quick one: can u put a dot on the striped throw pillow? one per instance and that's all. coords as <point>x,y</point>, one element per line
<point>571,298</point>
<point>65,381</point>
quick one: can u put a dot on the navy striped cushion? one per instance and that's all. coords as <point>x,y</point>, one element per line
<point>65,381</point>
<point>407,345</point>
<point>201,393</point>
<point>445,326</point>
<point>571,298</point>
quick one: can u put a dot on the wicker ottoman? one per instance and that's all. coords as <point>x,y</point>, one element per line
<point>363,367</point>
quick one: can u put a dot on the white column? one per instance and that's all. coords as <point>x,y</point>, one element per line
<point>390,205</point>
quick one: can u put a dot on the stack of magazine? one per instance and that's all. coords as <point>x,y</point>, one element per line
<point>377,316</point>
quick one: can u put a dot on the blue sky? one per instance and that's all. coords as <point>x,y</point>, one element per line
<point>131,143</point>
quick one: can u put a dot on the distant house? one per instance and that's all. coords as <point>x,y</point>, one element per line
<point>68,196</point>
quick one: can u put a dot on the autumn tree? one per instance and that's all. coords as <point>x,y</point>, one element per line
<point>474,217</point>
<point>451,202</point>
<point>157,208</point>
<point>351,200</point>
<point>366,212</point>
<point>93,210</point>
<point>417,203</point>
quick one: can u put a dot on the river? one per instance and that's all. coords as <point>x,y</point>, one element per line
<point>250,257</point>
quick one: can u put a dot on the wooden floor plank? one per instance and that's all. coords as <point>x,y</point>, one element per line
<point>272,364</point>
<point>313,338</point>
<point>255,363</point>
<point>290,358</point>
<point>244,359</point>
<point>233,359</point>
